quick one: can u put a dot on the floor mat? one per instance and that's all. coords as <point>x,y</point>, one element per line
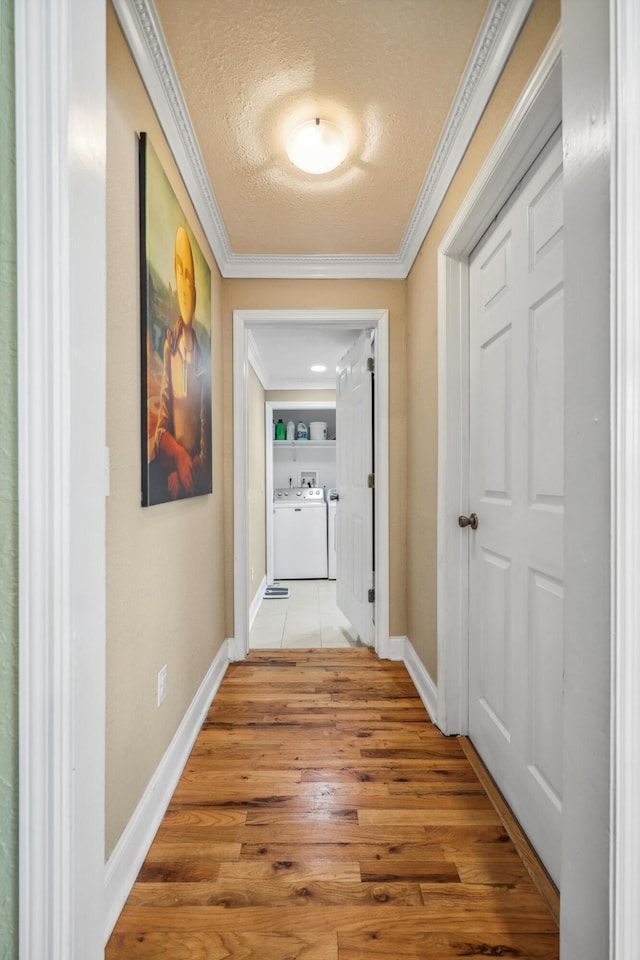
<point>276,593</point>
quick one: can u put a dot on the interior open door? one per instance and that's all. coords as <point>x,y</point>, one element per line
<point>355,483</point>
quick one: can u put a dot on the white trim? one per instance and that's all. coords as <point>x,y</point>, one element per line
<point>253,355</point>
<point>530,124</point>
<point>453,487</point>
<point>625,699</point>
<point>256,603</point>
<point>122,867</point>
<point>240,488</point>
<point>304,404</point>
<point>427,690</point>
<point>397,647</point>
<point>381,520</point>
<point>301,385</point>
<point>500,28</point>
<point>498,33</point>
<point>316,266</point>
<point>243,321</point>
<point>532,121</point>
<point>60,49</point>
<point>141,27</point>
<point>234,650</point>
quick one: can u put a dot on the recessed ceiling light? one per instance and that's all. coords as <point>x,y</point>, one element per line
<point>317,146</point>
<point>318,368</point>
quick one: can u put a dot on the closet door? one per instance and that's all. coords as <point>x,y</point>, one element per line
<point>517,491</point>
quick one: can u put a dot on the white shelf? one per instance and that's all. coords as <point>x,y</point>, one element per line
<point>304,443</point>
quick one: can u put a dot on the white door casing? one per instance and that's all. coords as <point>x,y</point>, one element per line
<point>60,52</point>
<point>354,509</point>
<point>243,321</point>
<point>516,482</point>
<point>531,123</point>
<point>625,825</point>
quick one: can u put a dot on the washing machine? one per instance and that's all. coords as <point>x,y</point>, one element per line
<point>299,534</point>
<point>332,500</point>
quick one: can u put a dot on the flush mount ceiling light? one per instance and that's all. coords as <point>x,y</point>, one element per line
<point>317,146</point>
<point>318,368</point>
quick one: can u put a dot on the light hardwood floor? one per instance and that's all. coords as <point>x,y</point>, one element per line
<point>321,816</point>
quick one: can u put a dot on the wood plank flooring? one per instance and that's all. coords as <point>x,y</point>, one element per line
<point>321,816</point>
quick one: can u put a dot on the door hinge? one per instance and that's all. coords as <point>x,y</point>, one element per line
<point>371,365</point>
<point>372,595</point>
<point>371,481</point>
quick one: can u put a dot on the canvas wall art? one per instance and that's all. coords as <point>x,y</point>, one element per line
<point>176,343</point>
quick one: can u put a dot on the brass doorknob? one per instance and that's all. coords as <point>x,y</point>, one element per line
<point>470,521</point>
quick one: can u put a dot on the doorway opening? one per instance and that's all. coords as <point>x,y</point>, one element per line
<point>247,322</point>
<point>298,606</point>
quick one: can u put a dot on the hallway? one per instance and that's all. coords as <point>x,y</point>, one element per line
<point>321,816</point>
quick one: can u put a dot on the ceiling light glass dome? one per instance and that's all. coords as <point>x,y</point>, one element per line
<point>317,146</point>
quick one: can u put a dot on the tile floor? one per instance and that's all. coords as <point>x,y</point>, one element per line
<point>308,618</point>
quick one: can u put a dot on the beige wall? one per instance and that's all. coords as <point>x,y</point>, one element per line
<point>422,341</point>
<point>306,396</point>
<point>256,481</point>
<point>334,295</point>
<point>165,564</point>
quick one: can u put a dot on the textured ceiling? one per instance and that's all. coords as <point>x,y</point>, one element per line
<point>385,70</point>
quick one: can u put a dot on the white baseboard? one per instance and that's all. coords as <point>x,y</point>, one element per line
<point>257,601</point>
<point>396,648</point>
<point>122,867</point>
<point>233,650</point>
<point>425,686</point>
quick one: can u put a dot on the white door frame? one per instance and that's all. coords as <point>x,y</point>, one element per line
<point>269,407</point>
<point>625,658</point>
<point>60,54</point>
<point>533,120</point>
<point>243,322</point>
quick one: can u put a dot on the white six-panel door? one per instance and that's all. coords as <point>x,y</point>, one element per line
<point>354,515</point>
<point>517,490</point>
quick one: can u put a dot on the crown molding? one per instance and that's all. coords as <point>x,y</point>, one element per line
<point>499,31</point>
<point>315,266</point>
<point>143,33</point>
<point>354,319</point>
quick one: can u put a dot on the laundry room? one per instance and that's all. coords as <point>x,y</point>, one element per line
<point>303,446</point>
